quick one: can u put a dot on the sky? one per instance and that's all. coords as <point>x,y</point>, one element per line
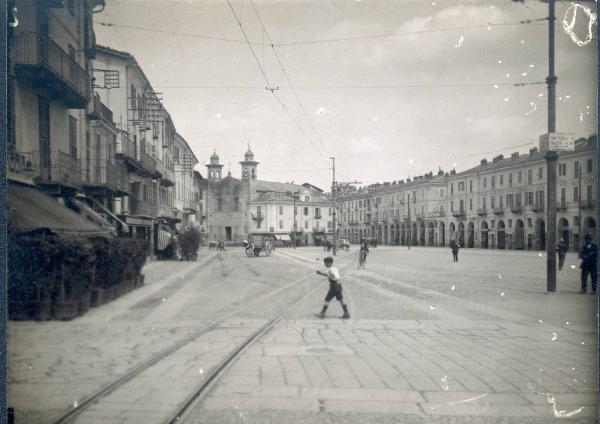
<point>391,89</point>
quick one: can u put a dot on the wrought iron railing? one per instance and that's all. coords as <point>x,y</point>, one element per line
<point>105,173</point>
<point>138,206</point>
<point>32,49</point>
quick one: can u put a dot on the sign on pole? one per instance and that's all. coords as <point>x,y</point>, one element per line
<point>557,141</point>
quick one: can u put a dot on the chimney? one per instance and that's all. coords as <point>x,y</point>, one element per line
<point>533,150</point>
<point>483,162</point>
<point>498,158</point>
<point>453,172</point>
<point>514,156</point>
<point>440,172</point>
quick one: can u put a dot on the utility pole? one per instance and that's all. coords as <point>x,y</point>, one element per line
<point>333,187</point>
<point>409,224</point>
<point>294,194</point>
<point>551,157</point>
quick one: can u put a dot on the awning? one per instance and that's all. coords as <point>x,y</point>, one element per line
<point>30,210</point>
<point>164,239</point>
<point>283,237</point>
<point>101,207</point>
<point>94,216</point>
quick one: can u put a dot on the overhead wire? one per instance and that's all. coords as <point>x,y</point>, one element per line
<point>287,77</point>
<point>267,80</point>
<point>361,87</point>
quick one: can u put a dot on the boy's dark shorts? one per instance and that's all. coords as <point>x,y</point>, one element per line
<point>334,291</point>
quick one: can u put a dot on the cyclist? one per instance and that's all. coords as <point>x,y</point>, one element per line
<point>364,251</point>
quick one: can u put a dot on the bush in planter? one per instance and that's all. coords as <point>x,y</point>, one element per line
<point>48,275</point>
<point>190,242</point>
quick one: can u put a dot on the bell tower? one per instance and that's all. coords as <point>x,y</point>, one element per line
<point>214,168</point>
<point>249,173</point>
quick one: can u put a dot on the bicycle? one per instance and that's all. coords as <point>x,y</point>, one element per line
<point>362,259</point>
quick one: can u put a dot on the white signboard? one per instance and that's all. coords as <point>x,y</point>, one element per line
<point>557,142</point>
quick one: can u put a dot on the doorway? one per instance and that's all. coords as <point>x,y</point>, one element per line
<point>227,233</point>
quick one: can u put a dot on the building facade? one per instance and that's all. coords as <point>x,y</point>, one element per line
<point>86,126</point>
<point>498,204</point>
<point>237,207</point>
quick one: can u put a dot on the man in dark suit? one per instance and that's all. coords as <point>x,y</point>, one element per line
<point>589,256</point>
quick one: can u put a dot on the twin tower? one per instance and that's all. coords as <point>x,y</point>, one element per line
<point>249,166</point>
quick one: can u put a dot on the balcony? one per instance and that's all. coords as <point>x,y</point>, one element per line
<point>141,207</point>
<point>482,211</point>
<point>588,205</point>
<point>498,210</point>
<point>53,168</point>
<point>97,111</point>
<point>562,206</point>
<point>168,177</point>
<point>22,166</point>
<point>419,215</point>
<point>165,211</point>
<point>516,209</point>
<point>318,216</point>
<point>459,214</point>
<point>47,65</point>
<point>537,208</point>
<point>319,230</point>
<point>137,161</point>
<point>256,216</point>
<point>106,175</point>
<point>436,214</point>
<point>190,206</point>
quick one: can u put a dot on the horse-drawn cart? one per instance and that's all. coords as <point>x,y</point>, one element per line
<point>257,243</point>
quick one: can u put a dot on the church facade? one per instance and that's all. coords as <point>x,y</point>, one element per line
<point>237,207</point>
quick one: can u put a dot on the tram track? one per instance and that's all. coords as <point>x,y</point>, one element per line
<point>83,404</point>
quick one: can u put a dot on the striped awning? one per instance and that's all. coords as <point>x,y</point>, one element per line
<point>164,239</point>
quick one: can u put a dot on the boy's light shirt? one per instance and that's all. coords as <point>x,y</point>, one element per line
<point>333,273</point>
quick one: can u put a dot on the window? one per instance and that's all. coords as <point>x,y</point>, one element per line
<point>329,225</point>
<point>462,205</point>
<point>307,198</point>
<point>576,169</point>
<point>280,224</point>
<point>518,200</point>
<point>470,204</point>
<point>576,194</point>
<point>73,137</point>
<point>461,186</point>
<point>563,197</point>
<point>219,205</point>
<point>471,186</point>
<point>562,167</point>
<point>236,204</point>
<point>590,165</point>
<point>501,199</point>
<point>441,193</point>
<point>280,211</point>
<point>484,182</point>
<point>589,195</point>
<point>483,202</point>
<point>530,198</point>
<point>451,205</point>
<point>306,225</point>
<point>501,179</point>
<point>305,211</point>
<point>529,176</point>
<point>492,203</point>
<point>520,177</point>
<point>510,179</point>
<point>493,181</point>
<point>451,188</point>
<point>317,212</point>
<point>541,173</point>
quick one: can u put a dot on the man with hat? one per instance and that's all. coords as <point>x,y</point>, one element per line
<point>588,255</point>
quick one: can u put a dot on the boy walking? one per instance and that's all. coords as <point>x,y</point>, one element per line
<point>335,287</point>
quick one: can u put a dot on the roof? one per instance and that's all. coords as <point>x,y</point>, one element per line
<point>31,210</point>
<point>534,155</point>
<point>277,187</point>
<point>312,187</point>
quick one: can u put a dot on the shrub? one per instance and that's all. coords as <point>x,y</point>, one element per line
<point>189,241</point>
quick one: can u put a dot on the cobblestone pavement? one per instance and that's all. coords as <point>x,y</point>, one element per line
<point>429,341</point>
<point>418,350</point>
<point>54,365</point>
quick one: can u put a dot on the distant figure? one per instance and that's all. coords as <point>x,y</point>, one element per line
<point>561,249</point>
<point>588,255</point>
<point>454,246</point>
<point>335,287</point>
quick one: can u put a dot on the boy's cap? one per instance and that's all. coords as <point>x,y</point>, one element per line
<point>328,259</point>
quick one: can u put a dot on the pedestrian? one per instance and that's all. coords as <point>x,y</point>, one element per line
<point>561,249</point>
<point>588,255</point>
<point>335,287</point>
<point>454,246</point>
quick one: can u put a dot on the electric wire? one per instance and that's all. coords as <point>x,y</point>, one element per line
<point>287,77</point>
<point>267,80</point>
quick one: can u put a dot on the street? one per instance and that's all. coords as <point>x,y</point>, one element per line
<point>428,341</point>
